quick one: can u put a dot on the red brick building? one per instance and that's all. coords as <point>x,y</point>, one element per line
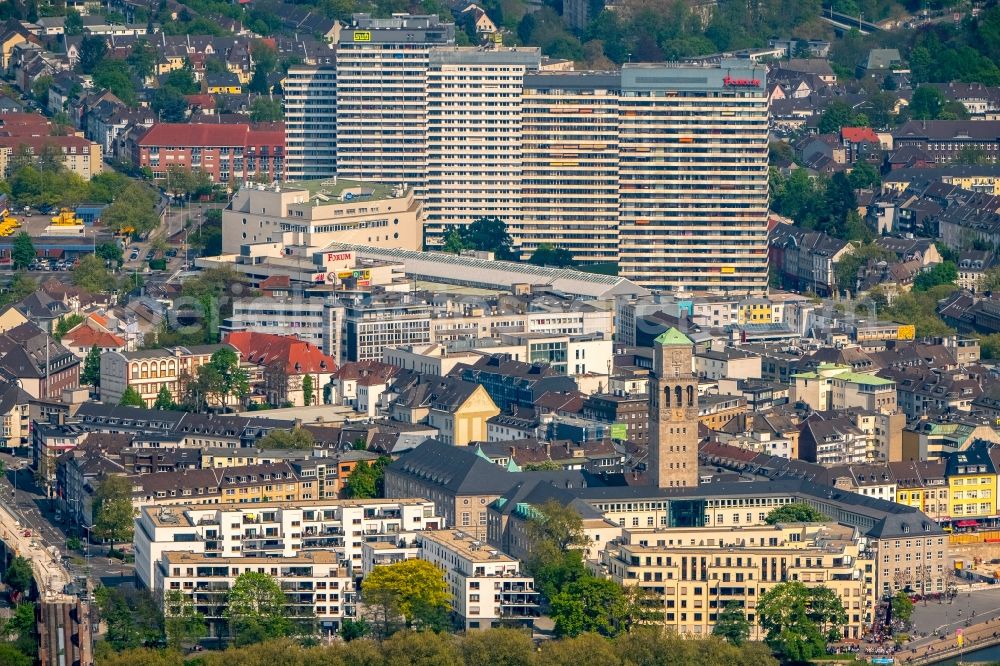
<point>227,152</point>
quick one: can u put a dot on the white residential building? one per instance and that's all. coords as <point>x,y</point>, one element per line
<point>276,530</point>
<point>310,100</point>
<point>487,586</point>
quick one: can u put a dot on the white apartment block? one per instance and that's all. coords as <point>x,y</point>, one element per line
<point>693,177</point>
<point>317,587</point>
<point>276,530</point>
<point>569,138</point>
<point>382,96</point>
<point>312,319</point>
<point>474,134</point>
<point>310,100</point>
<point>487,586</point>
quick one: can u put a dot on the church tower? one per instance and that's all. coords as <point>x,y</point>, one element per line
<point>673,413</point>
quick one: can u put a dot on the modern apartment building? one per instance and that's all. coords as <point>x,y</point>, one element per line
<point>692,176</point>
<point>317,586</point>
<point>276,530</point>
<point>474,134</point>
<point>381,79</point>
<point>487,586</point>
<point>569,163</point>
<point>310,98</point>
<point>698,572</point>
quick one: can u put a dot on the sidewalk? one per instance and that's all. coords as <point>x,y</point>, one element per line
<point>977,636</point>
<point>50,576</point>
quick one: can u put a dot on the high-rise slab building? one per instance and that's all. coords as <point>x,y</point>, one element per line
<point>310,97</point>
<point>661,169</point>
<point>474,123</point>
<point>569,161</point>
<point>382,97</point>
<point>692,177</point>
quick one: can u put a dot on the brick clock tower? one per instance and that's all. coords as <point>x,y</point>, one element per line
<point>673,412</point>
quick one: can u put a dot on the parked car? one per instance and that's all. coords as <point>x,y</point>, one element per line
<point>172,252</point>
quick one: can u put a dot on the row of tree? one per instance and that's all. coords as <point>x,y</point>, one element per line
<point>492,647</point>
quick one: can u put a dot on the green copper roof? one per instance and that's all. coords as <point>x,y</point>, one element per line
<point>513,466</point>
<point>481,454</point>
<point>673,337</point>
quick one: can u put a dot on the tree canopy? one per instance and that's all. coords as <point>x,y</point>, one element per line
<point>256,609</point>
<point>796,512</point>
<point>798,620</point>
<point>113,512</point>
<point>413,590</point>
<point>296,438</point>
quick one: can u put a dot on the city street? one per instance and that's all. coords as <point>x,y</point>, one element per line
<point>36,512</point>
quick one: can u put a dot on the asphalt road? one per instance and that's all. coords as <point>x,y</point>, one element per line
<point>944,618</point>
<point>37,512</point>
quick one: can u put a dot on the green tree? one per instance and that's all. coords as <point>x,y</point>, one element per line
<point>133,212</point>
<point>926,103</point>
<point>256,609</point>
<point>19,575</point>
<point>106,186</point>
<point>296,438</point>
<point>115,75</point>
<point>74,23</point>
<point>453,242</point>
<point>307,390</point>
<point>133,618</point>
<point>940,274</point>
<point>732,624</point>
<point>93,50</point>
<point>91,274</point>
<point>796,512</point>
<point>131,398</point>
<point>164,400</point>
<point>846,270</point>
<point>836,116</point>
<point>67,324</point>
<point>265,110</point>
<point>488,234</point>
<point>91,374</point>
<point>424,647</point>
<point>183,624</point>
<point>590,604</point>
<point>23,252</point>
<point>557,538</point>
<point>223,378</point>
<point>11,655</point>
<point>864,176</point>
<point>113,512</point>
<point>547,255</point>
<point>182,80</point>
<point>362,483</point>
<point>142,59</point>
<point>351,629</point>
<point>902,606</point>
<point>111,254</point>
<point>40,90</point>
<point>990,345</point>
<point>795,617</point>
<point>19,287</point>
<point>170,105</point>
<point>498,647</point>
<point>412,589</point>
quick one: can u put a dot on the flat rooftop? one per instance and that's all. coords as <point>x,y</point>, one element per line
<point>340,190</point>
<point>465,545</point>
<point>301,558</point>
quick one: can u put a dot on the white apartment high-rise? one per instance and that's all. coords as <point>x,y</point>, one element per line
<point>692,177</point>
<point>310,98</point>
<point>474,135</point>
<point>569,158</point>
<point>382,97</point>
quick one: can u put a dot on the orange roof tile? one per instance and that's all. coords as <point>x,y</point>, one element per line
<point>84,336</point>
<point>297,356</point>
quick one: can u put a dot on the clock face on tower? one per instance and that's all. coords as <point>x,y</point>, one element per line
<point>677,357</point>
<point>678,414</point>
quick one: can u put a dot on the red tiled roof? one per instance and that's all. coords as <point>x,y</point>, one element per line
<point>278,282</point>
<point>297,356</point>
<point>204,101</point>
<point>85,336</point>
<point>859,134</point>
<point>359,369</point>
